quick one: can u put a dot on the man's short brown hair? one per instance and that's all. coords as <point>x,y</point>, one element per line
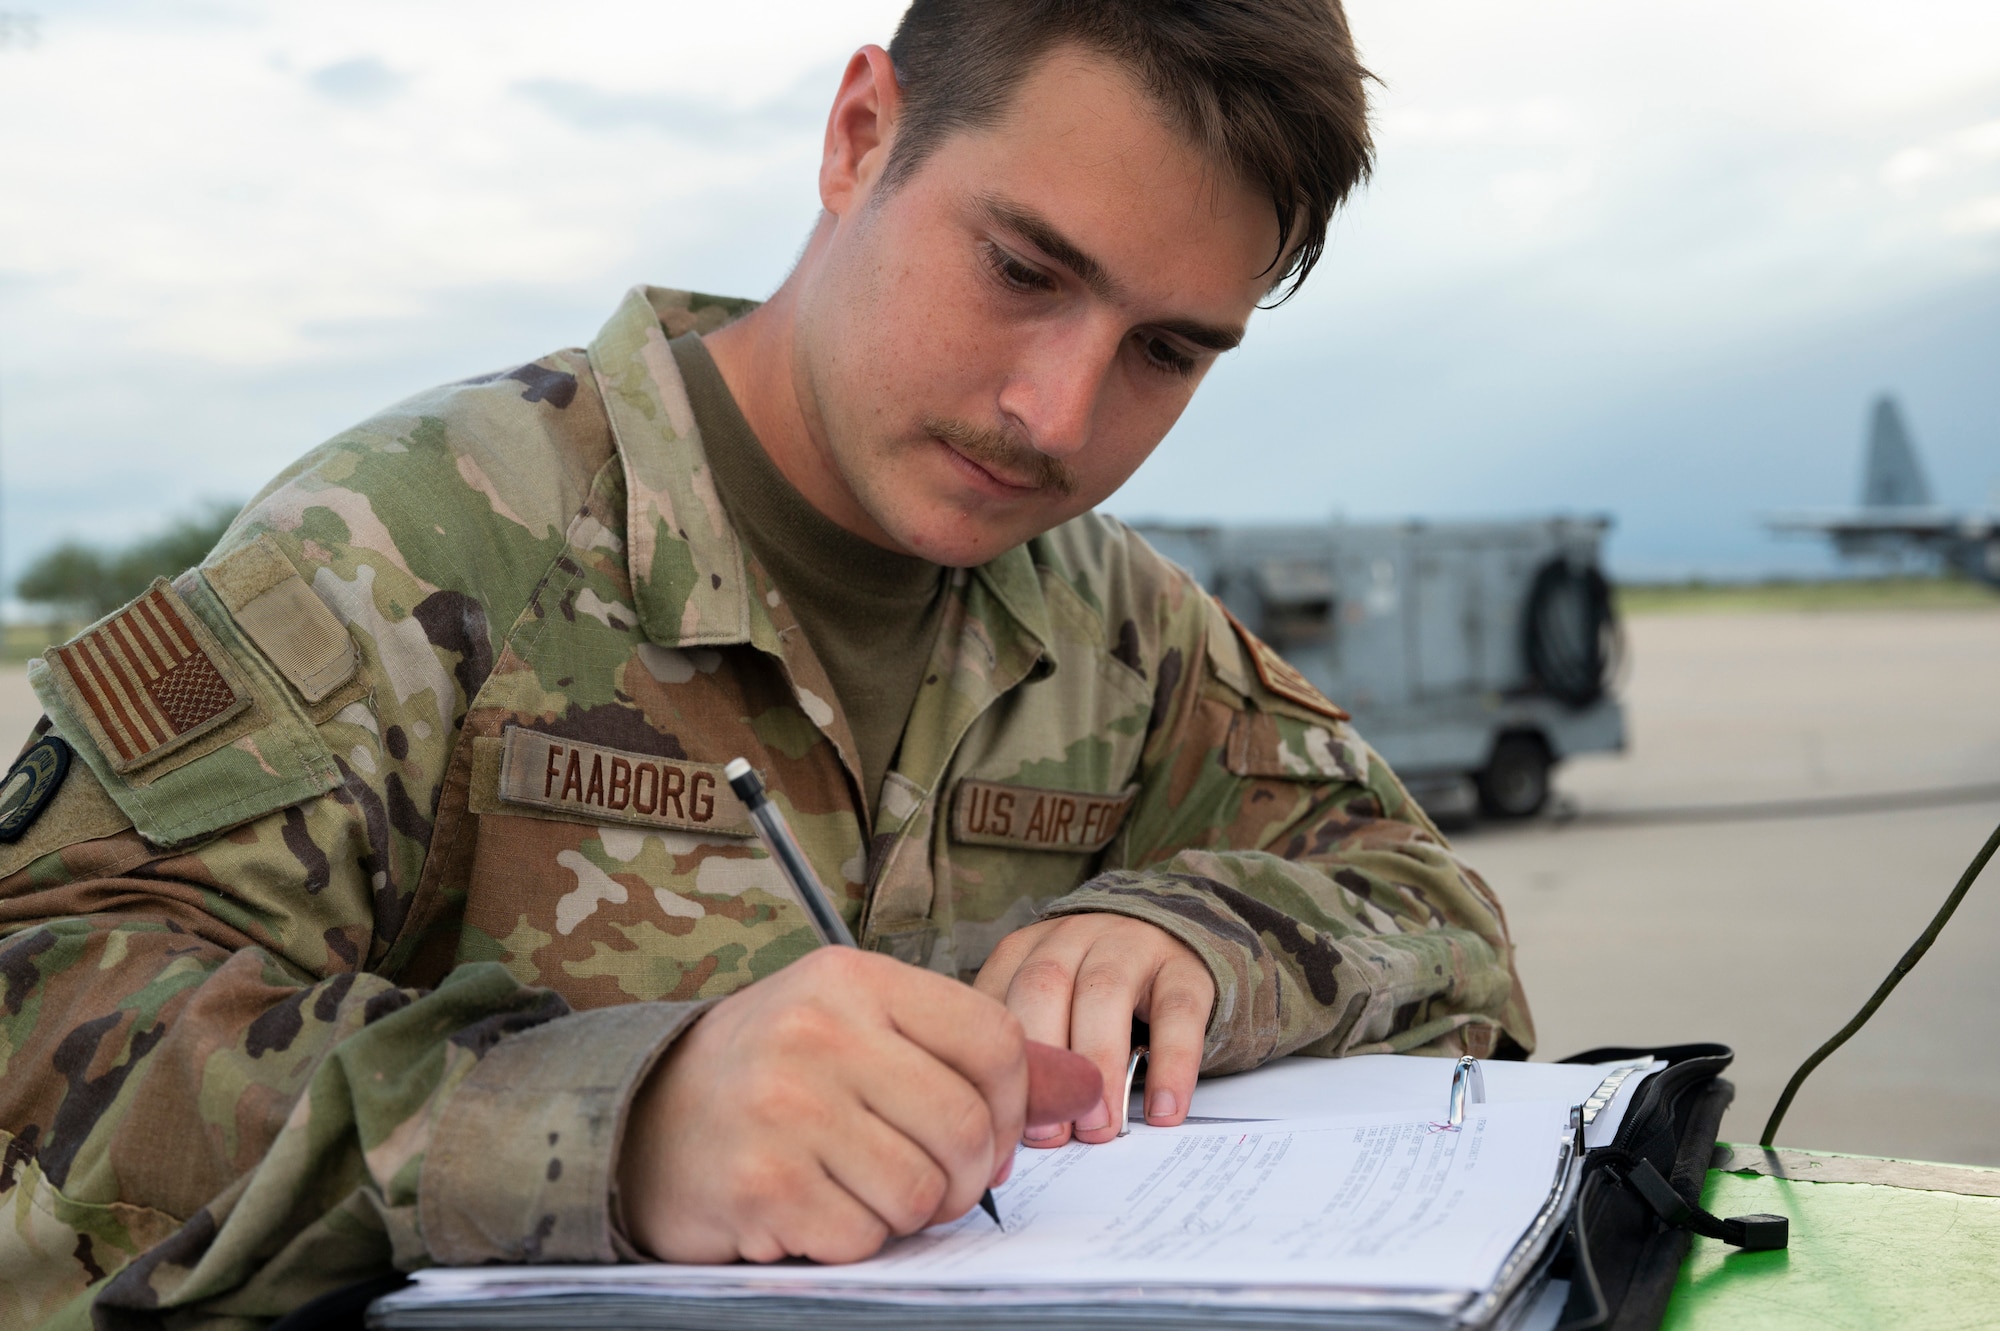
<point>1271,89</point>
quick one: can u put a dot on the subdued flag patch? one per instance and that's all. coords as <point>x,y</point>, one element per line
<point>148,680</point>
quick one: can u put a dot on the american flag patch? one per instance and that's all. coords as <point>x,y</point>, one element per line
<point>149,679</point>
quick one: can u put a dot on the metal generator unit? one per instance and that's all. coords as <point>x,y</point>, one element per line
<point>1474,655</point>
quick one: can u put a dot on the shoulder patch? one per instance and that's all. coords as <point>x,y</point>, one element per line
<point>73,810</point>
<point>1281,677</point>
<point>148,680</point>
<point>31,784</point>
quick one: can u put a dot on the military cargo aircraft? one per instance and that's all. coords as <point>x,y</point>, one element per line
<point>1898,521</point>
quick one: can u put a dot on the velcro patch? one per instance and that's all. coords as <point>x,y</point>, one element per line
<point>273,605</point>
<point>1281,677</point>
<point>986,813</point>
<point>148,680</point>
<point>591,782</point>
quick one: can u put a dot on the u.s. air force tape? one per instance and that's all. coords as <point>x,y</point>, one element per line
<point>598,784</point>
<point>987,813</point>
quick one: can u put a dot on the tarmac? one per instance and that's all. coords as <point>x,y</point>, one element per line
<point>1799,794</point>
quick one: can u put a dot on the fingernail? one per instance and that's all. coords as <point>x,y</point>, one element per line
<point>1161,1104</point>
<point>1047,1132</point>
<point>1097,1119</point>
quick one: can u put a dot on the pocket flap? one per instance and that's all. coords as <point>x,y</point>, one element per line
<point>1270,744</point>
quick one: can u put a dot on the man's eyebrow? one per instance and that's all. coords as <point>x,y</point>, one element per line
<point>1038,231</point>
<point>1201,334</point>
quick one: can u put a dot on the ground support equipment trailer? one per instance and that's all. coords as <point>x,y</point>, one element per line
<point>1474,655</point>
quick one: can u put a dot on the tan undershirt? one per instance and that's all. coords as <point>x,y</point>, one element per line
<point>870,614</point>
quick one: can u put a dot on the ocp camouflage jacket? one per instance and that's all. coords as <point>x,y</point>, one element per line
<point>394,852</point>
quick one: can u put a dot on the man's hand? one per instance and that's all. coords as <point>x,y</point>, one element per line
<point>815,1113</point>
<point>1078,981</point>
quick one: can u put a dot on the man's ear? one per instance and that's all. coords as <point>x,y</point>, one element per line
<point>859,130</point>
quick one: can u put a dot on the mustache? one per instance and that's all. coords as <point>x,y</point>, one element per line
<point>1004,456</point>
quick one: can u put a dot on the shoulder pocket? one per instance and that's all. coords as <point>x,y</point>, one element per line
<point>1271,744</point>
<point>1284,728</point>
<point>188,726</point>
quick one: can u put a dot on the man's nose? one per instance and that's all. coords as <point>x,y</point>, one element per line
<point>1053,394</point>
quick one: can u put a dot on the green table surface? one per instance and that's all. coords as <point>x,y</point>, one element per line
<point>1862,1255</point>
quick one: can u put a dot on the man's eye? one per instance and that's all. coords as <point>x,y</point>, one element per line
<point>1164,356</point>
<point>1016,274</point>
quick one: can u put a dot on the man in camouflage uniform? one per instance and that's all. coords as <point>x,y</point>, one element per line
<point>373,899</point>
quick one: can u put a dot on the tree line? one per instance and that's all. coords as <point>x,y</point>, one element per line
<point>82,581</point>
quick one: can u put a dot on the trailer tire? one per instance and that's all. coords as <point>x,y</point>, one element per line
<point>1570,634</point>
<point>1515,781</point>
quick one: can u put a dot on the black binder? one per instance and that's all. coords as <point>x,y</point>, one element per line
<point>1627,1237</point>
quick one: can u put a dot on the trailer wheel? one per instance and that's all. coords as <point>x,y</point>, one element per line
<point>1570,634</point>
<point>1515,781</point>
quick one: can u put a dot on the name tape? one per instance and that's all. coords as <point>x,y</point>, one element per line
<point>614,785</point>
<point>986,813</point>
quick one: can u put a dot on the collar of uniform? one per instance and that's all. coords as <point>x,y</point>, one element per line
<point>689,580</point>
<point>1016,584</point>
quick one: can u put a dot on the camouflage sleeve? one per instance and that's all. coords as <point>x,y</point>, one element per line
<point>1334,916</point>
<point>210,1098</point>
<point>194,1121</point>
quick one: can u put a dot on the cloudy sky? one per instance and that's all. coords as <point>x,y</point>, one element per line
<point>1647,260</point>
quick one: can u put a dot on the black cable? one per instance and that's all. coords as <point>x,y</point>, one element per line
<point>1903,967</point>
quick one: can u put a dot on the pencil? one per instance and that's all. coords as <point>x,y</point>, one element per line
<point>784,847</point>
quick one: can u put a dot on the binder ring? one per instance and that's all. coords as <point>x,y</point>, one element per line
<point>1468,1087</point>
<point>1125,1105</point>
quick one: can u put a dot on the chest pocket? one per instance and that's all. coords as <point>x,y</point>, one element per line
<point>1040,790</point>
<point>611,862</point>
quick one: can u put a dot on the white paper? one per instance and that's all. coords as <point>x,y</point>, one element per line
<point>1378,1203</point>
<point>1399,1083</point>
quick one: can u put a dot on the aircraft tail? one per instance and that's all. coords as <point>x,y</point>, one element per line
<point>1891,476</point>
